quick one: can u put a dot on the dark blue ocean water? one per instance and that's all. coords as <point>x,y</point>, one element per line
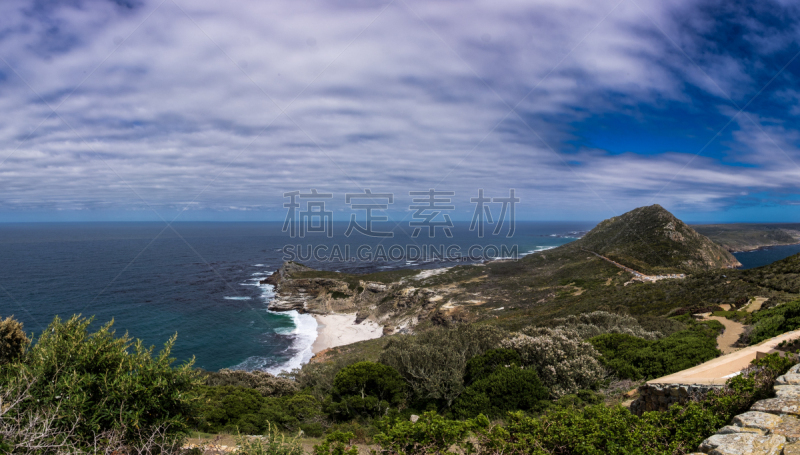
<point>199,280</point>
<point>766,256</point>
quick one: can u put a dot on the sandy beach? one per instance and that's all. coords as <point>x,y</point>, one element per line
<point>340,329</point>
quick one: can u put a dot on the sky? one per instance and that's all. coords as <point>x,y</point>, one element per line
<point>204,110</point>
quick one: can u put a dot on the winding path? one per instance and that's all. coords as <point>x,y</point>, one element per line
<point>726,340</point>
<point>733,329</point>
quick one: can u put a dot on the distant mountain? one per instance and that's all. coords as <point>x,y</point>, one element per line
<point>651,240</point>
<point>750,236</point>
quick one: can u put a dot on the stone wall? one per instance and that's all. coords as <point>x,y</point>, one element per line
<point>659,397</point>
<point>770,427</point>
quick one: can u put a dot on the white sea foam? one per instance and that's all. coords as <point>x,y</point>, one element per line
<point>304,334</point>
<point>259,265</point>
<point>237,298</point>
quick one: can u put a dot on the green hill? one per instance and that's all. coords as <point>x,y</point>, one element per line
<point>652,240</point>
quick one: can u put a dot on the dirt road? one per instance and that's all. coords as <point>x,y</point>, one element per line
<point>731,334</point>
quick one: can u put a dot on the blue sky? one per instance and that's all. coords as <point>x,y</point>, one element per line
<point>205,110</point>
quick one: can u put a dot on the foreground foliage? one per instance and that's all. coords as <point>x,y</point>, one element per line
<point>594,430</point>
<point>91,387</point>
<point>774,321</point>
<point>636,358</point>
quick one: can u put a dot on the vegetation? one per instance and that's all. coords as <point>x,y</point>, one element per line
<point>264,383</point>
<point>744,237</point>
<point>774,321</point>
<point>564,362</point>
<point>433,362</point>
<point>96,386</point>
<point>366,389</point>
<point>272,443</point>
<point>13,341</point>
<point>508,388</point>
<point>636,358</point>
<point>597,429</point>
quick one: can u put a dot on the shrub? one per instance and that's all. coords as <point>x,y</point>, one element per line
<point>614,430</point>
<point>433,362</point>
<point>98,383</point>
<point>432,433</point>
<point>366,389</point>
<point>272,443</point>
<point>506,389</point>
<point>337,443</point>
<point>482,366</point>
<point>590,325</point>
<point>239,409</point>
<point>13,341</point>
<point>635,358</point>
<point>232,409</point>
<point>774,321</point>
<point>564,362</point>
<point>265,383</point>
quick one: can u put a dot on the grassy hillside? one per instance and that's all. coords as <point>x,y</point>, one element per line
<point>651,240</point>
<point>746,237</point>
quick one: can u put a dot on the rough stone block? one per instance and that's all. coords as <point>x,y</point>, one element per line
<point>788,379</point>
<point>754,419</point>
<point>795,369</point>
<point>743,444</point>
<point>789,427</point>
<point>791,449</point>
<point>787,391</point>
<point>778,406</point>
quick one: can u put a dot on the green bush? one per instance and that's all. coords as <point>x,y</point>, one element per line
<point>265,383</point>
<point>366,389</point>
<point>232,409</point>
<point>432,433</point>
<point>239,409</point>
<point>272,443</point>
<point>13,341</point>
<point>564,362</point>
<point>774,321</point>
<point>433,362</point>
<point>337,443</point>
<point>603,430</point>
<point>596,323</point>
<point>634,358</point>
<point>507,389</point>
<point>98,383</point>
<point>482,366</point>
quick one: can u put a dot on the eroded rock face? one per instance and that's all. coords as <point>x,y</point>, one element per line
<point>743,444</point>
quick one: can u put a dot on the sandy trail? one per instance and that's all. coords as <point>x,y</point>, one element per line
<point>733,329</point>
<point>755,305</point>
<point>731,334</point>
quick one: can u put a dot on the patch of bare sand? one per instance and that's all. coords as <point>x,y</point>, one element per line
<point>340,329</point>
<point>755,304</point>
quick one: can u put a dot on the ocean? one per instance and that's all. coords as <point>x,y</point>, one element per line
<point>201,280</point>
<point>766,256</point>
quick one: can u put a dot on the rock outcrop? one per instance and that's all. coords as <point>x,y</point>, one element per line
<point>770,427</point>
